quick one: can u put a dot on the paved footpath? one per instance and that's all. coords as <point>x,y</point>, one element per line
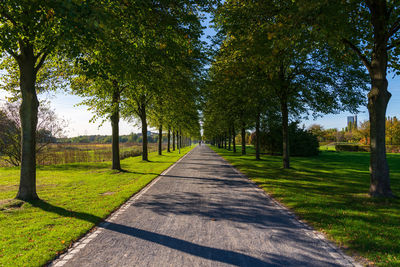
<point>202,212</point>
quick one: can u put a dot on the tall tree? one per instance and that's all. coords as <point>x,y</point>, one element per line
<point>367,30</point>
<point>31,32</point>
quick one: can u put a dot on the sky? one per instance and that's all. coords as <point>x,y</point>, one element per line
<point>340,120</point>
<point>78,117</point>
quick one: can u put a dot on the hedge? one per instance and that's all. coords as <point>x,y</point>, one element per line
<point>365,148</point>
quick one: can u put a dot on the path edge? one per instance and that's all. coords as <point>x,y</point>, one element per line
<point>80,243</point>
<point>336,252</point>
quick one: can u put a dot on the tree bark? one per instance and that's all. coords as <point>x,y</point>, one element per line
<point>258,137</point>
<point>173,140</point>
<point>233,138</point>
<point>285,134</point>
<point>169,140</point>
<point>28,114</point>
<point>143,118</point>
<point>229,139</point>
<point>225,141</point>
<point>116,164</point>
<point>180,139</point>
<point>378,99</point>
<point>243,140</point>
<point>160,140</point>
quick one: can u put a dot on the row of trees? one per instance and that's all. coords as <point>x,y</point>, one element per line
<point>279,60</point>
<point>132,59</point>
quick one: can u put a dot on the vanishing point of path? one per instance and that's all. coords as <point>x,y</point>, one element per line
<point>201,212</point>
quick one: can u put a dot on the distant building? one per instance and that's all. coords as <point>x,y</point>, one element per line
<point>352,122</point>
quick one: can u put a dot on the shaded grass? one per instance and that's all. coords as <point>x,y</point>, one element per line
<point>329,191</point>
<point>74,198</point>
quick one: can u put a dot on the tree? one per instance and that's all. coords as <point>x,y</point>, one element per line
<point>393,131</point>
<point>48,128</point>
<point>31,32</point>
<point>317,130</point>
<point>99,75</point>
<point>367,30</point>
<point>296,73</point>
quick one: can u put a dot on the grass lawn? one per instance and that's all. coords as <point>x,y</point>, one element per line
<point>327,148</point>
<point>330,193</point>
<point>74,198</point>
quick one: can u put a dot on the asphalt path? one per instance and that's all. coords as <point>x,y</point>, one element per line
<point>203,212</point>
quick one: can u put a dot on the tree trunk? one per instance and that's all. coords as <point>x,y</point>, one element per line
<point>28,115</point>
<point>285,134</point>
<point>233,138</point>
<point>116,164</point>
<point>173,140</point>
<point>160,140</point>
<point>169,140</point>
<point>225,143</point>
<point>229,139</point>
<point>243,140</point>
<point>180,140</point>
<point>144,133</point>
<point>258,137</point>
<point>378,99</point>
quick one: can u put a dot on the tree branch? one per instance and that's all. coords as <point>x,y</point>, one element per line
<point>369,4</point>
<point>393,44</point>
<point>42,57</point>
<point>8,17</point>
<point>364,60</point>
<point>14,55</point>
<point>395,28</point>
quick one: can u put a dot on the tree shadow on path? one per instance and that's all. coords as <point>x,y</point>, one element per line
<point>209,253</point>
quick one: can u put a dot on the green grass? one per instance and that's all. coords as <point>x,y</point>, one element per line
<point>327,148</point>
<point>74,198</point>
<point>330,193</point>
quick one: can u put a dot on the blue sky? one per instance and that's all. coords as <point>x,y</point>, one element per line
<point>340,120</point>
<point>78,116</point>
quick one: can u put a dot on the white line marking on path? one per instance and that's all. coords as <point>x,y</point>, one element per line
<point>80,244</point>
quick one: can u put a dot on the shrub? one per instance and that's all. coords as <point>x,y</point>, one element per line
<point>393,148</point>
<point>301,141</point>
<point>352,148</point>
<point>365,148</point>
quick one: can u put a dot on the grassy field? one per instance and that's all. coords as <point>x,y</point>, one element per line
<point>74,198</point>
<point>76,153</point>
<point>330,193</point>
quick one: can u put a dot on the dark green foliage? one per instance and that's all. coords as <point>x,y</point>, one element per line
<point>302,142</point>
<point>365,148</point>
<point>353,148</point>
